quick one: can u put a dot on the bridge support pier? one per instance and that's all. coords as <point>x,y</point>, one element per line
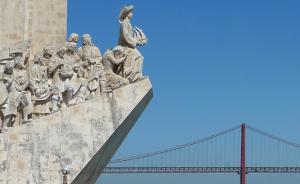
<point>243,155</point>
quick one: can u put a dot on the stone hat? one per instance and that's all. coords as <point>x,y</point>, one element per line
<point>125,11</point>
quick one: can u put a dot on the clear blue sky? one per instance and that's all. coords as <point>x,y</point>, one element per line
<point>213,64</point>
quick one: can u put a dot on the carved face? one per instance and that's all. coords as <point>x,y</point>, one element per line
<point>37,60</point>
<point>9,68</point>
<point>48,52</point>
<point>87,40</point>
<point>47,55</point>
<point>75,39</point>
<point>71,48</point>
<point>130,15</point>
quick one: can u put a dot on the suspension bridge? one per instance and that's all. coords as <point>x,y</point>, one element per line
<point>242,149</point>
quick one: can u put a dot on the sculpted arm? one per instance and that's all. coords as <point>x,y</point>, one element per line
<point>33,78</point>
<point>98,56</point>
<point>82,57</point>
<point>24,84</point>
<point>114,60</point>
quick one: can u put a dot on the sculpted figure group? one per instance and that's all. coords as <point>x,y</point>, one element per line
<point>60,77</point>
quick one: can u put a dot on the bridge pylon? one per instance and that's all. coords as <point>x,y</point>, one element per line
<point>243,154</point>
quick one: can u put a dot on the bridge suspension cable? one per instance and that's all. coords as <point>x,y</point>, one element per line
<point>171,149</point>
<point>273,137</point>
<point>218,153</point>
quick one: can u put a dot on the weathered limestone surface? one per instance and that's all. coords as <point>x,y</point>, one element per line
<point>82,138</point>
<point>43,21</point>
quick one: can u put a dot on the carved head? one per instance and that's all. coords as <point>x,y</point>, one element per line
<point>130,15</point>
<point>9,68</point>
<point>86,39</point>
<point>118,50</point>
<point>71,47</point>
<point>73,38</point>
<point>48,52</point>
<point>61,52</point>
<point>38,59</point>
<point>126,12</point>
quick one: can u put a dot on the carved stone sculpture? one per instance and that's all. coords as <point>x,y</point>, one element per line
<point>21,79</point>
<point>91,56</point>
<point>66,141</point>
<point>61,74</point>
<point>47,56</point>
<point>74,37</point>
<point>40,88</point>
<point>114,58</point>
<point>79,80</point>
<point>16,98</point>
<point>130,38</point>
<point>60,77</point>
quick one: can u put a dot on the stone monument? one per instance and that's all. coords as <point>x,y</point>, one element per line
<point>65,110</point>
<point>42,21</point>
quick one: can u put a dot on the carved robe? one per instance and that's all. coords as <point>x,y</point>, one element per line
<point>91,56</point>
<point>132,69</point>
<point>22,81</point>
<point>61,74</point>
<point>78,81</point>
<point>16,97</point>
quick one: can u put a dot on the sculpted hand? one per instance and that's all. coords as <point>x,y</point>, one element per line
<point>38,92</point>
<point>18,88</point>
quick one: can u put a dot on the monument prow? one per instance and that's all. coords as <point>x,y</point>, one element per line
<point>64,108</point>
<point>80,139</point>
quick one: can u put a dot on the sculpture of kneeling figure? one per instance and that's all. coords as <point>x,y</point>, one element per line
<point>114,58</point>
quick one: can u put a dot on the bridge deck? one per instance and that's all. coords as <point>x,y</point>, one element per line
<point>120,170</point>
